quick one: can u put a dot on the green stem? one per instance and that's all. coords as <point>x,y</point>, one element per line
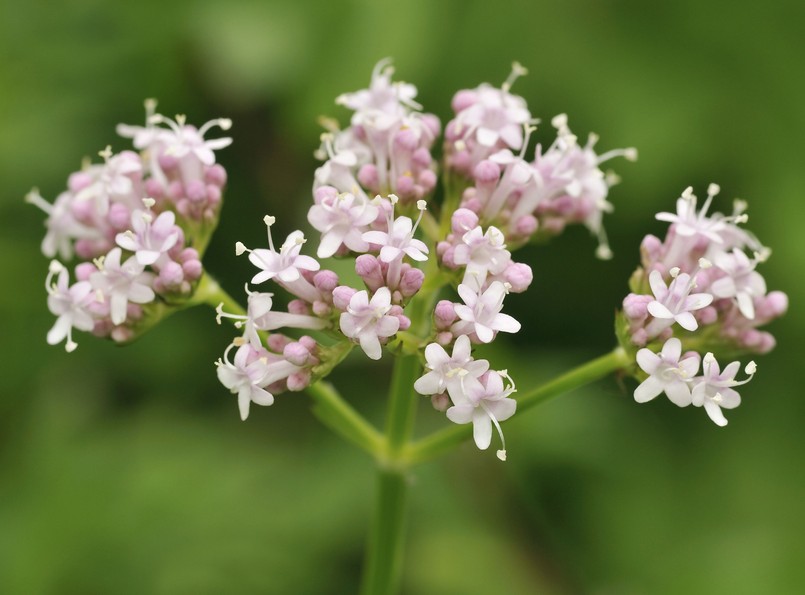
<point>385,549</point>
<point>331,409</point>
<point>338,415</point>
<point>445,440</point>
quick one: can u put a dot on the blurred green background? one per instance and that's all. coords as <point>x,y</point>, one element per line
<point>127,470</point>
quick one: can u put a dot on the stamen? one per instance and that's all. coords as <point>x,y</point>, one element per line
<point>518,70</point>
<point>528,129</point>
<point>501,454</point>
<point>240,248</point>
<point>149,202</point>
<point>106,153</point>
<point>269,221</point>
<point>34,198</point>
<point>751,368</point>
<point>674,272</point>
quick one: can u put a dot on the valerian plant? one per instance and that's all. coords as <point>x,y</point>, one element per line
<point>434,274</point>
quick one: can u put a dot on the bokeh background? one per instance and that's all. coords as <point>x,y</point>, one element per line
<point>127,470</point>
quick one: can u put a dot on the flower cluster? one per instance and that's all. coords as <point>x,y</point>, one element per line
<point>137,223</point>
<point>698,289</point>
<point>487,141</point>
<point>371,203</point>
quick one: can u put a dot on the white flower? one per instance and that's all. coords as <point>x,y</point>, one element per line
<point>61,225</point>
<point>285,264</point>
<point>245,376</point>
<point>182,140</point>
<point>485,404</point>
<point>447,372</point>
<point>674,302</point>
<point>258,306</point>
<point>368,321</point>
<point>149,239</point>
<point>400,238</point>
<point>714,389</point>
<point>384,102</point>
<point>689,222</point>
<point>667,373</point>
<point>482,311</point>
<point>340,219</point>
<point>482,254</point>
<point>120,284</point>
<point>70,303</point>
<point>742,281</point>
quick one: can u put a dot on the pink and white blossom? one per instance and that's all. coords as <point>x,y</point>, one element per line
<point>368,321</point>
<point>481,314</point>
<point>245,376</point>
<point>668,372</point>
<point>284,265</point>
<point>485,404</point>
<point>449,372</point>
<point>714,390</point>
<point>120,283</point>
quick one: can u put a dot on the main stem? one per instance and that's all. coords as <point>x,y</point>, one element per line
<point>384,552</point>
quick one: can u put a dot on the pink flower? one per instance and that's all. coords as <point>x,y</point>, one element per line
<point>485,404</point>
<point>285,264</point>
<point>369,321</point>
<point>667,373</point>
<point>481,312</point>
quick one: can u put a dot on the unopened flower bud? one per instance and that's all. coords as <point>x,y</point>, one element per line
<point>519,276</point>
<point>341,296</point>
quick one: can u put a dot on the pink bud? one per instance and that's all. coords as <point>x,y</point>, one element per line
<point>215,174</point>
<point>444,314</point>
<point>368,177</point>
<point>195,190</point>
<point>277,342</point>
<point>341,296</point>
<point>309,343</point>
<point>84,270</point>
<point>296,353</point>
<point>427,179</point>
<point>298,307</point>
<point>406,140</point>
<point>463,220</point>
<point>171,274</point>
<point>325,281</point>
<point>321,309</point>
<point>167,161</point>
<point>519,276</point>
<point>78,181</point>
<point>433,124</point>
<point>405,186</point>
<point>707,315</point>
<point>411,281</point>
<point>192,269</point>
<point>154,188</point>
<point>324,194</point>
<point>486,172</point>
<point>213,195</point>
<point>463,99</point>
<point>635,306</point>
<point>175,190</point>
<point>422,157</point>
<point>368,268</point>
<point>651,249</point>
<point>119,216</point>
<point>444,338</point>
<point>298,381</point>
<point>440,402</point>
<point>525,226</point>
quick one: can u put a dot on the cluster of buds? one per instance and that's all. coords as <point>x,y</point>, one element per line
<point>137,224</point>
<point>371,204</point>
<point>698,290</point>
